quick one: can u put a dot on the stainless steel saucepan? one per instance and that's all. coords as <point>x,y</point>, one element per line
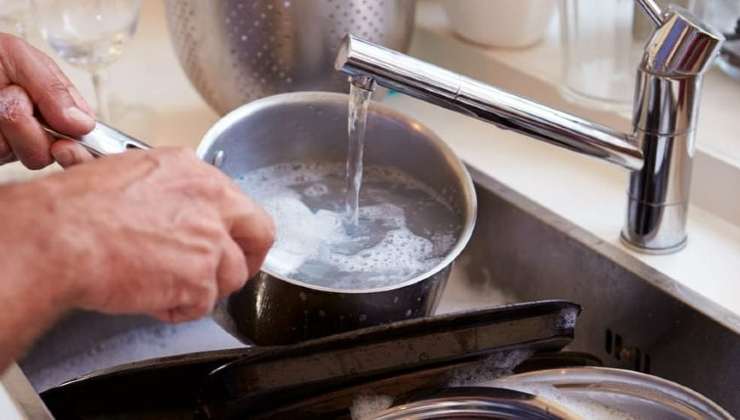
<point>311,126</point>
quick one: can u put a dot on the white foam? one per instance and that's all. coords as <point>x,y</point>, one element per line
<point>300,232</point>
<point>495,366</point>
<point>399,255</point>
<point>316,190</point>
<point>156,340</point>
<point>567,319</point>
<point>314,242</point>
<point>365,407</point>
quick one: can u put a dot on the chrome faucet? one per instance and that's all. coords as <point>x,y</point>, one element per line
<point>658,151</point>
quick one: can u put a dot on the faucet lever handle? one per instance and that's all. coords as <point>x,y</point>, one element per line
<point>653,10</point>
<point>682,45</point>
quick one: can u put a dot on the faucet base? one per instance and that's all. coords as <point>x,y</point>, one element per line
<point>633,246</point>
<point>655,228</point>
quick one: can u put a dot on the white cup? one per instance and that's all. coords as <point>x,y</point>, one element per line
<point>500,23</point>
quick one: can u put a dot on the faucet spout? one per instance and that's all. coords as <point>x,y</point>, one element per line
<point>658,151</point>
<point>362,60</point>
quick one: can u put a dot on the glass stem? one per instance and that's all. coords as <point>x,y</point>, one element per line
<point>101,95</point>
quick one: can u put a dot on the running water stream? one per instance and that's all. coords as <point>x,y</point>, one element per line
<point>359,99</point>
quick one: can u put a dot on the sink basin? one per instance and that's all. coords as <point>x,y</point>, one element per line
<point>633,316</point>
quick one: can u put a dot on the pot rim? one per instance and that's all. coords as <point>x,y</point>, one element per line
<point>471,204</point>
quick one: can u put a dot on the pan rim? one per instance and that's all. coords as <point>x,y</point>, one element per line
<point>468,189</point>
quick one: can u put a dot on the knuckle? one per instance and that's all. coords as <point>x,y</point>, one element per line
<point>204,304</point>
<point>15,91</point>
<point>201,293</point>
<point>10,47</point>
<point>205,275</point>
<point>214,188</point>
<point>224,187</point>
<point>37,161</point>
<point>11,42</point>
<point>181,154</point>
<point>203,288</point>
<point>182,296</point>
<point>195,312</point>
<point>57,87</point>
<point>203,309</point>
<point>35,158</point>
<point>15,105</point>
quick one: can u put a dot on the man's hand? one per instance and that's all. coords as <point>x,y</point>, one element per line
<point>156,232</point>
<point>30,80</point>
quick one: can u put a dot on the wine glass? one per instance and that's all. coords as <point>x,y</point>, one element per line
<point>89,34</point>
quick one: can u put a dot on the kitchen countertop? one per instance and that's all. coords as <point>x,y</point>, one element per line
<point>162,108</point>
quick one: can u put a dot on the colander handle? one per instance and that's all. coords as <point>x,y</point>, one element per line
<point>103,140</point>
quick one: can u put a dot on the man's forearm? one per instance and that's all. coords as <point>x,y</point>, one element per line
<point>27,313</point>
<point>30,298</point>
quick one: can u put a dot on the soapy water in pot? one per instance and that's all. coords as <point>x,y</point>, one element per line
<point>404,227</point>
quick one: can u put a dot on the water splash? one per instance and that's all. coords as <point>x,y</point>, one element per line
<point>366,406</point>
<point>494,366</point>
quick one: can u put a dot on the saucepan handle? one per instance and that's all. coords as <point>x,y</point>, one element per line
<point>103,140</point>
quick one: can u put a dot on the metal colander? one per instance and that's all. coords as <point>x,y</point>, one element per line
<point>236,51</point>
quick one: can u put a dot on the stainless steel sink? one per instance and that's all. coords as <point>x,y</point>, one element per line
<point>633,316</point>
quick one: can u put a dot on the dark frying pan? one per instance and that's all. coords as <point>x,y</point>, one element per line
<point>255,381</point>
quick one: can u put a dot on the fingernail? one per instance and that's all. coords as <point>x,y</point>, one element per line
<point>63,156</point>
<point>79,116</point>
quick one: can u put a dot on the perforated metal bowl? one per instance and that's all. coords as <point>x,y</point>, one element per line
<point>236,51</point>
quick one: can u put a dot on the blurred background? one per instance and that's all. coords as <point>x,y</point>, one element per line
<point>122,56</point>
<point>120,52</point>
